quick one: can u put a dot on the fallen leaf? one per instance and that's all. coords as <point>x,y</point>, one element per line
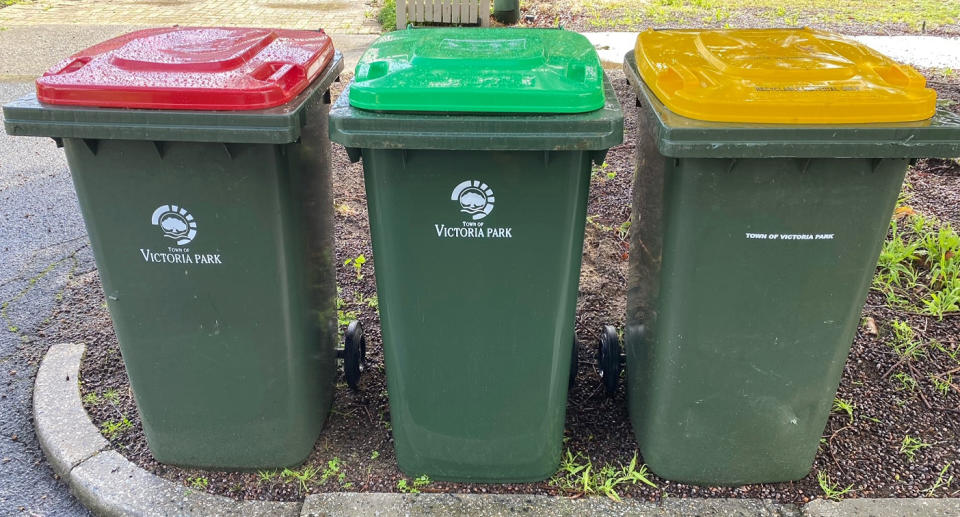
<point>903,211</point>
<point>871,325</point>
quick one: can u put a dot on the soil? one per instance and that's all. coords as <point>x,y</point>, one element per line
<point>571,14</point>
<point>862,453</point>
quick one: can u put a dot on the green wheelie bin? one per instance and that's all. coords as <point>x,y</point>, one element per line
<point>477,147</point>
<point>768,166</point>
<point>200,159</point>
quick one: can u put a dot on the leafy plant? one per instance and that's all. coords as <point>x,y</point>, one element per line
<point>91,399</point>
<point>199,482</point>
<point>413,488</point>
<point>910,446</point>
<point>374,455</point>
<point>387,16</point>
<point>601,169</point>
<point>830,489</point>
<point>265,476</point>
<point>843,406</point>
<point>334,469</point>
<point>302,477</point>
<point>357,263</point>
<point>577,474</point>
<point>344,317</point>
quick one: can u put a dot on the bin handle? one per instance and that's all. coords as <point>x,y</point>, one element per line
<point>674,78</point>
<point>71,65</point>
<point>285,75</point>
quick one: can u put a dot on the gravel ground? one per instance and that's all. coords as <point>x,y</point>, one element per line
<point>862,453</point>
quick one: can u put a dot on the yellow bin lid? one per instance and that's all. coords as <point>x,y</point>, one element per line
<point>785,76</point>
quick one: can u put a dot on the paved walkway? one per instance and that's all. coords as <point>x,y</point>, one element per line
<point>334,16</point>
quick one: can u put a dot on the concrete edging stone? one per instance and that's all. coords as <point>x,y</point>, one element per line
<point>110,485</point>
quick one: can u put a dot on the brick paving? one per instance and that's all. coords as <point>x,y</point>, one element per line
<point>335,16</point>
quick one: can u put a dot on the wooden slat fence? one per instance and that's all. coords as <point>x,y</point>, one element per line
<point>454,12</point>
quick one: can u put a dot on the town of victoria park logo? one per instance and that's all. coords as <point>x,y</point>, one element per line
<point>175,223</point>
<point>178,225</point>
<point>475,199</point>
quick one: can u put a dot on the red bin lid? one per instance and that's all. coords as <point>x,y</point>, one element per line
<point>195,68</point>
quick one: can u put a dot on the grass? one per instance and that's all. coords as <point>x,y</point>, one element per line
<point>302,478</point>
<point>112,428</point>
<point>905,342</point>
<point>842,406</point>
<point>112,397</point>
<point>919,266</point>
<point>578,475</point>
<point>942,481</point>
<point>637,14</point>
<point>906,382</point>
<point>831,490</point>
<point>910,446</point>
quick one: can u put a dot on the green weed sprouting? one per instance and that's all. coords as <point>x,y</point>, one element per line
<point>303,478</point>
<point>905,342</point>
<point>910,446</point>
<point>112,428</point>
<point>830,489</point>
<point>406,487</point>
<point>357,263</point>
<point>907,383</point>
<point>199,482</point>
<point>843,406</point>
<point>941,482</point>
<point>919,265</point>
<point>577,474</point>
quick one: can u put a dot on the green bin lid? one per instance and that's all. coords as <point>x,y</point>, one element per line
<point>492,70</point>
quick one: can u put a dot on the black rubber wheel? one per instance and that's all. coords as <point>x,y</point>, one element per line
<point>574,364</point>
<point>608,359</point>
<point>354,353</point>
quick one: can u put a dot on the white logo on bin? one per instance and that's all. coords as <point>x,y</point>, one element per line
<point>475,198</point>
<point>175,222</point>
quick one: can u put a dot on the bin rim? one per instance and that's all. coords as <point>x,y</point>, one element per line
<point>357,128</point>
<point>277,125</point>
<point>682,137</point>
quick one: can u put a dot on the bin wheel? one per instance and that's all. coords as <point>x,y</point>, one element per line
<point>608,358</point>
<point>574,364</point>
<point>354,353</point>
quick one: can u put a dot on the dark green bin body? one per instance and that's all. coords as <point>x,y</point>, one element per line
<point>477,330</point>
<point>231,356</point>
<point>736,336</point>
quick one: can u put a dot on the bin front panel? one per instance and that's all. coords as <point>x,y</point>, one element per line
<point>477,261</point>
<point>746,285</point>
<point>217,264</point>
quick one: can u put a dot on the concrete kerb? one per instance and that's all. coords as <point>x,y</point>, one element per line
<point>109,485</point>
